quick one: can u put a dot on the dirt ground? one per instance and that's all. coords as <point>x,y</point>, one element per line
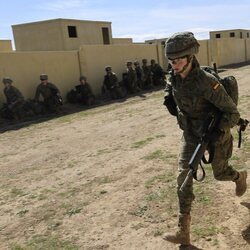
<point>104,178</point>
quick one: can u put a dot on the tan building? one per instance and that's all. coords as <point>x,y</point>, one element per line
<point>60,34</point>
<point>5,45</point>
<point>237,33</point>
<point>153,41</point>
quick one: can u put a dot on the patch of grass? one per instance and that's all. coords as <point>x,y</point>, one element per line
<point>235,158</point>
<point>160,136</point>
<point>53,225</point>
<point>22,212</point>
<point>162,178</point>
<point>142,143</point>
<point>138,226</point>
<point>40,242</point>
<point>159,195</point>
<point>15,192</point>
<point>205,199</point>
<point>159,155</point>
<point>140,211</point>
<point>203,232</point>
<point>70,192</point>
<point>158,232</point>
<point>104,180</point>
<point>103,151</point>
<point>73,211</point>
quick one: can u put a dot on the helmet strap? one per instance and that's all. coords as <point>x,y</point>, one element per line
<point>189,60</point>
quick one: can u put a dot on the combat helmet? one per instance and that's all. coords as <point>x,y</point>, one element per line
<point>82,78</point>
<point>181,44</point>
<point>43,77</point>
<point>7,80</point>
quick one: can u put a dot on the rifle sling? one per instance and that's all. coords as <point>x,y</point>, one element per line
<point>211,155</point>
<point>240,137</point>
<point>203,174</point>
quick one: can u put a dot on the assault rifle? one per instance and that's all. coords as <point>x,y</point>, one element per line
<point>209,130</point>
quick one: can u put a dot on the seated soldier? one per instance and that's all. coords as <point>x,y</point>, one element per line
<point>157,74</point>
<point>138,71</point>
<point>50,93</point>
<point>111,84</point>
<point>130,78</point>
<point>13,109</point>
<point>146,74</point>
<point>82,93</point>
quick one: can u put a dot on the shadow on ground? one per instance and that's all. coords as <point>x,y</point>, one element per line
<point>67,109</point>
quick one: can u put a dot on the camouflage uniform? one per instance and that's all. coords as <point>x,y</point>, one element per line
<point>131,78</point>
<point>51,95</point>
<point>192,95</point>
<point>157,73</point>
<point>111,84</point>
<point>15,100</point>
<point>146,75</point>
<point>82,93</point>
<point>195,97</point>
<point>139,73</point>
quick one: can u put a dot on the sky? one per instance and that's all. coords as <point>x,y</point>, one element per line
<point>138,19</point>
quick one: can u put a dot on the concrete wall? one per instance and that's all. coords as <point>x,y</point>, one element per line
<point>229,51</point>
<point>247,45</point>
<point>5,45</point>
<point>25,67</point>
<point>64,67</point>
<point>88,32</point>
<point>38,36</point>
<point>204,56</point>
<point>52,35</point>
<point>122,40</point>
<point>94,58</point>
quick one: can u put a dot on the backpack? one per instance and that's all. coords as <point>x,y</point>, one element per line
<point>231,86</point>
<point>229,83</point>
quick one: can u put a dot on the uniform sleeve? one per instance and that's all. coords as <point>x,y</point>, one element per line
<point>37,93</point>
<point>54,87</point>
<point>216,94</point>
<point>18,95</point>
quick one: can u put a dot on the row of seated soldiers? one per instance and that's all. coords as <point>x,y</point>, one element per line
<point>16,107</point>
<point>134,79</point>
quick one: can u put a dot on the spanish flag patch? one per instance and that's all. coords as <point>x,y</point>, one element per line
<point>216,86</point>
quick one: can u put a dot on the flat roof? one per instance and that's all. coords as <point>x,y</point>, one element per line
<point>60,19</point>
<point>228,30</point>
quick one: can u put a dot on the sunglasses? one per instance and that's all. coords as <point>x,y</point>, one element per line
<point>176,60</point>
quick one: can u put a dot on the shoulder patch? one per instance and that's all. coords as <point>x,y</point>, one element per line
<point>215,86</point>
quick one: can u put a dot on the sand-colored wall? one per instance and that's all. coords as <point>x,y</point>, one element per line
<point>52,35</point>
<point>94,58</point>
<point>228,51</point>
<point>25,67</point>
<point>247,44</point>
<point>122,40</point>
<point>204,54</point>
<point>87,33</point>
<point>5,45</point>
<point>38,36</point>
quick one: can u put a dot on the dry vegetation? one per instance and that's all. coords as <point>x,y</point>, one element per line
<point>104,178</point>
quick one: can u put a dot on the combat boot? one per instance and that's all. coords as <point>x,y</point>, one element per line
<point>182,236</point>
<point>241,183</point>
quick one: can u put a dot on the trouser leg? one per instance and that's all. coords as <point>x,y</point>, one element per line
<point>186,196</point>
